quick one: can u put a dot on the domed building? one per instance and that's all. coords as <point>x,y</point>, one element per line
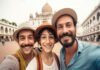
<point>47,9</point>
<point>44,16</point>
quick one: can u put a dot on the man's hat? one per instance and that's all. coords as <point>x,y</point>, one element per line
<point>23,26</point>
<point>67,11</point>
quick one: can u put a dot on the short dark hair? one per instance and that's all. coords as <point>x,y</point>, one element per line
<point>50,30</point>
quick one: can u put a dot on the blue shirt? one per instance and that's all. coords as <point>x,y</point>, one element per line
<point>87,57</point>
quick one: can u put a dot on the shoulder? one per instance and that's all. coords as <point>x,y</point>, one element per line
<point>88,45</point>
<point>91,49</point>
<point>56,56</point>
<point>11,59</point>
<point>9,62</point>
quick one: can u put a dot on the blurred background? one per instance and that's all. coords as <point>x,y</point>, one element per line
<point>39,12</point>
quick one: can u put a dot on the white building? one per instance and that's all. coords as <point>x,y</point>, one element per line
<point>6,29</point>
<point>40,18</point>
<point>91,26</point>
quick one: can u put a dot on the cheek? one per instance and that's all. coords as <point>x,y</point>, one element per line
<point>31,41</point>
<point>20,42</point>
<point>74,31</point>
<point>41,42</point>
<point>53,42</point>
<point>58,33</point>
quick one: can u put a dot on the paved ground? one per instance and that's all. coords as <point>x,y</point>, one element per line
<point>11,47</point>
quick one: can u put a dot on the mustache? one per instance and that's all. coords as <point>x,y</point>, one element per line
<point>26,45</point>
<point>66,34</point>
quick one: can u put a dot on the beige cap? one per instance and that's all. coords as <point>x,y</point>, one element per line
<point>61,12</point>
<point>23,26</point>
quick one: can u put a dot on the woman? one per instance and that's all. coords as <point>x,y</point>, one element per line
<point>46,60</point>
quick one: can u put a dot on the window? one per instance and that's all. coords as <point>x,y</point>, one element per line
<point>1,29</point>
<point>6,30</point>
<point>93,18</point>
<point>90,21</point>
<point>98,15</point>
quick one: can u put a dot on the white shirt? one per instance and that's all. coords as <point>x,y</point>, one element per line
<point>33,65</point>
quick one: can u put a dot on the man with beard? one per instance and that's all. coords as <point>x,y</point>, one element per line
<point>24,36</point>
<point>75,54</point>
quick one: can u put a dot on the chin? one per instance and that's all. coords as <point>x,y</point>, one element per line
<point>68,44</point>
<point>48,51</point>
<point>27,52</point>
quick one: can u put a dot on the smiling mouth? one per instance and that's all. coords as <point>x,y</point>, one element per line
<point>49,46</point>
<point>25,46</point>
<point>66,37</point>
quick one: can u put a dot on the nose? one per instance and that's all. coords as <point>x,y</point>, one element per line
<point>47,40</point>
<point>26,41</point>
<point>65,29</point>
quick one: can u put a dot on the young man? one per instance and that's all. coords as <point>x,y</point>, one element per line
<point>74,55</point>
<point>24,36</point>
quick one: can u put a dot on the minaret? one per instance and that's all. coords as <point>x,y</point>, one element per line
<point>31,19</point>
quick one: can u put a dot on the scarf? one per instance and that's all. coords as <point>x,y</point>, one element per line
<point>22,62</point>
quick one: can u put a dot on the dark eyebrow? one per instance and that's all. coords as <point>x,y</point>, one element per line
<point>20,35</point>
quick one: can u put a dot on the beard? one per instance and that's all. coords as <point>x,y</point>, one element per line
<point>26,45</point>
<point>67,44</point>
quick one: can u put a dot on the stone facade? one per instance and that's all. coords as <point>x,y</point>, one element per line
<point>91,27</point>
<point>6,30</point>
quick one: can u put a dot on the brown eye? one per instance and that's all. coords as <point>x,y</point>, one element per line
<point>68,24</point>
<point>43,37</point>
<point>30,37</point>
<point>51,37</point>
<point>21,37</point>
<point>59,26</point>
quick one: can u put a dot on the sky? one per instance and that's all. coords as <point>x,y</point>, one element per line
<point>18,11</point>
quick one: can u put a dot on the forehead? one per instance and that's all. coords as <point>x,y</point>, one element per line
<point>64,18</point>
<point>46,31</point>
<point>25,32</point>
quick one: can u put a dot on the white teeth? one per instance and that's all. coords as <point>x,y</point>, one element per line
<point>49,46</point>
<point>66,37</point>
<point>27,47</point>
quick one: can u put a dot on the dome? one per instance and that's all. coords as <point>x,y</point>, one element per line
<point>46,8</point>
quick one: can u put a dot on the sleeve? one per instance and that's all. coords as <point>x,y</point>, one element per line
<point>32,65</point>
<point>98,58</point>
<point>98,63</point>
<point>9,63</point>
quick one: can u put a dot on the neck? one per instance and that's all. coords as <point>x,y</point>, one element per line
<point>27,57</point>
<point>47,58</point>
<point>47,55</point>
<point>72,49</point>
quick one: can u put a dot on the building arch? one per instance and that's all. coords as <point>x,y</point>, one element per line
<point>6,30</point>
<point>2,29</point>
<point>98,16</point>
<point>9,30</point>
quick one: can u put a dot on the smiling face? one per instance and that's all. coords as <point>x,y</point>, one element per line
<point>66,31</point>
<point>26,41</point>
<point>47,41</point>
